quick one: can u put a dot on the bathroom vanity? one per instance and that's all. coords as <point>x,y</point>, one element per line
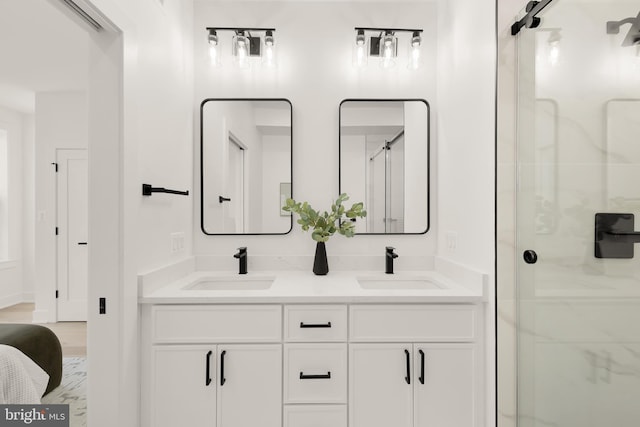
<point>296,350</point>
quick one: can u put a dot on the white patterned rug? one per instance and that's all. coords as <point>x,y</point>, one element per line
<point>72,390</point>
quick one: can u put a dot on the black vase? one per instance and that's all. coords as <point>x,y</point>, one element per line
<point>320,264</point>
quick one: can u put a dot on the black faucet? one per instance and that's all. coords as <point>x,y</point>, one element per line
<point>242,257</point>
<point>389,256</point>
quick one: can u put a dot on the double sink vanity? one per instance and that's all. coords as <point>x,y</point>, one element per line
<point>287,348</point>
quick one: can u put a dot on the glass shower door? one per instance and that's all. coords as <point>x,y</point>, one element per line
<point>578,154</point>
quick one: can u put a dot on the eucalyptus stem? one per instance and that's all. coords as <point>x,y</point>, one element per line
<point>325,224</point>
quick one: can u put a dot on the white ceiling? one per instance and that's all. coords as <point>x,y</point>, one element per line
<point>41,49</point>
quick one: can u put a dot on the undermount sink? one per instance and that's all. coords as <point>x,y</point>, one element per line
<point>230,284</point>
<point>398,282</point>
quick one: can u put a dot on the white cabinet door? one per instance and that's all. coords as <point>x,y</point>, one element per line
<point>180,392</point>
<point>380,391</point>
<point>249,385</point>
<point>445,385</point>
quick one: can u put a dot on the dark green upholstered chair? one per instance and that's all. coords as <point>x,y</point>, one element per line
<point>40,344</point>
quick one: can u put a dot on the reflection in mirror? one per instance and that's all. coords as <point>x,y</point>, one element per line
<point>384,161</point>
<point>546,154</point>
<point>623,155</point>
<point>245,165</point>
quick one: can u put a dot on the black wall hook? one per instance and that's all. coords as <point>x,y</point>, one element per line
<point>147,190</point>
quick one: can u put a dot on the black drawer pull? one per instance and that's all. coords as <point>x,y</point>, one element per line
<point>315,325</point>
<point>82,243</point>
<point>222,378</point>
<point>408,357</point>
<point>421,378</point>
<point>208,365</point>
<point>326,376</point>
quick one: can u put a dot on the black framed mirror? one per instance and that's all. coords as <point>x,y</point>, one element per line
<point>245,165</point>
<point>384,150</point>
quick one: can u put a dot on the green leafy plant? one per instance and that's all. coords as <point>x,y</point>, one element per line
<point>325,224</point>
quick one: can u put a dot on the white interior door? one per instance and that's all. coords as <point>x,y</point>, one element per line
<point>72,206</point>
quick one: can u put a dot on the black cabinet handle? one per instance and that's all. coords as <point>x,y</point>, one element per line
<point>421,378</point>
<point>408,357</point>
<point>222,378</point>
<point>82,243</point>
<point>208,364</point>
<point>315,325</point>
<point>326,376</point>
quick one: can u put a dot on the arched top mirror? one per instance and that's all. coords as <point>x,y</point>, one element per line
<point>384,161</point>
<point>245,165</point>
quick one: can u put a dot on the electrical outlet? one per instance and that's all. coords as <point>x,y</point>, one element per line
<point>177,242</point>
<point>451,240</point>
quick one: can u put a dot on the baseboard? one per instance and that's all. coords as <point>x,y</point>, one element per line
<point>10,300</point>
<point>41,316</point>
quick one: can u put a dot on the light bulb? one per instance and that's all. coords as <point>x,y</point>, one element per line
<point>269,56</point>
<point>360,50</point>
<point>214,53</point>
<point>388,51</point>
<point>241,44</point>
<point>414,52</point>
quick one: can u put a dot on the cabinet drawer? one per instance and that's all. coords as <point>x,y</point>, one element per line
<point>315,416</point>
<point>216,323</point>
<point>419,322</point>
<point>315,373</point>
<point>308,323</point>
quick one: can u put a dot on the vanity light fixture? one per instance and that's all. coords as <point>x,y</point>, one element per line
<point>385,46</point>
<point>244,46</point>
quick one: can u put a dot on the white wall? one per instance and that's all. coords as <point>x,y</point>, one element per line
<point>61,122</point>
<point>12,290</point>
<point>141,127</point>
<point>29,208</point>
<point>466,149</point>
<point>315,72</point>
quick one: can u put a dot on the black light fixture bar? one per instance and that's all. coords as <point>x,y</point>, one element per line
<point>530,20</point>
<point>239,29</point>
<point>393,30</point>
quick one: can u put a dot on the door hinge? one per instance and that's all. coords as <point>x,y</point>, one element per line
<point>57,294</point>
<point>57,231</point>
<point>56,166</point>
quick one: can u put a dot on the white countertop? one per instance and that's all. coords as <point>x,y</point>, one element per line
<point>305,287</point>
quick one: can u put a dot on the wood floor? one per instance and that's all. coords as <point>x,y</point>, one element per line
<point>72,335</point>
